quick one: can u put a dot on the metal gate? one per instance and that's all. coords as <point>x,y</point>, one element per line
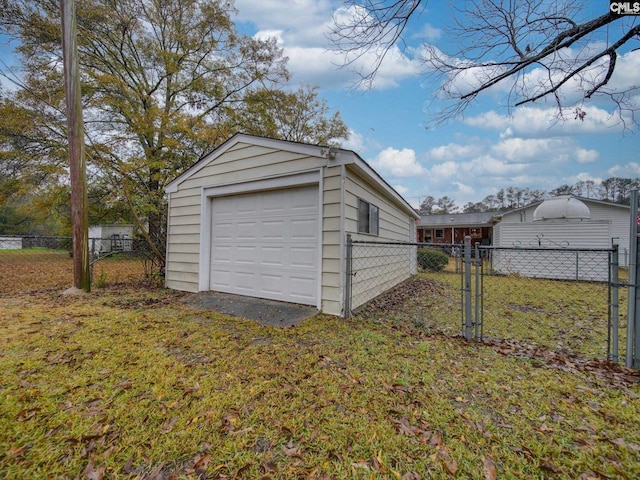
<point>559,299</point>
<point>556,298</point>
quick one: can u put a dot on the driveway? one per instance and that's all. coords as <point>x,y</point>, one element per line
<point>265,312</point>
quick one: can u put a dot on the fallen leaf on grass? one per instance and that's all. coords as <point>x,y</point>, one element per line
<point>200,465</point>
<point>291,450</point>
<point>397,387</point>
<point>448,462</point>
<point>27,414</point>
<point>17,452</point>
<point>436,440</point>
<point>621,442</point>
<point>589,476</point>
<point>411,476</point>
<point>168,425</point>
<point>93,472</point>
<point>549,467</point>
<point>489,469</point>
<point>269,467</point>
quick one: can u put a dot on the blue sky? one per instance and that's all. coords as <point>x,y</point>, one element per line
<point>470,157</point>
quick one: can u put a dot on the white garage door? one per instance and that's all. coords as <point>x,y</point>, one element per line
<point>265,244</point>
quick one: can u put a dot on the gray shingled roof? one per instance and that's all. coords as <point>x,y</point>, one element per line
<point>458,219</point>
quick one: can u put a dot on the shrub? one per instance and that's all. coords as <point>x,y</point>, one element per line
<point>432,260</point>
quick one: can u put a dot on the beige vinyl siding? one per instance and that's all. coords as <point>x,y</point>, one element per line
<point>241,163</point>
<point>380,267</point>
<point>244,163</point>
<point>183,237</point>
<point>331,241</point>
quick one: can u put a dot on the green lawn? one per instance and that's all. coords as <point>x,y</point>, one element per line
<point>133,384</point>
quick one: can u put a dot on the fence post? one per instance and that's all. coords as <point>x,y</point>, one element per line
<point>633,302</point>
<point>478,263</point>
<point>347,283</point>
<point>615,317</point>
<point>468,320</point>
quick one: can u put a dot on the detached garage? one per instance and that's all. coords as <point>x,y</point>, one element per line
<point>268,218</point>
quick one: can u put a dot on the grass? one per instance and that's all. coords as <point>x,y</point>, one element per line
<point>561,315</point>
<point>129,383</point>
<point>41,269</point>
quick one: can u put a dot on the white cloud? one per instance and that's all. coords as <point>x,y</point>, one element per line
<point>355,142</point>
<point>301,28</point>
<point>586,156</point>
<point>464,189</point>
<point>402,190</point>
<point>520,149</point>
<point>453,151</point>
<point>630,170</point>
<point>397,163</point>
<point>428,32</point>
<point>534,122</point>
<point>269,34</point>
<point>584,176</point>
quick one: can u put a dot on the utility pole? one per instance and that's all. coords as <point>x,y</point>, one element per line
<point>75,136</point>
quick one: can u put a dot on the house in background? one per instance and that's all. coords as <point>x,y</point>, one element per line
<point>452,228</point>
<point>269,218</point>
<point>111,238</point>
<point>575,231</point>
<point>565,221</point>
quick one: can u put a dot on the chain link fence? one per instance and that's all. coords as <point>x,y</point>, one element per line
<point>35,263</point>
<point>563,300</point>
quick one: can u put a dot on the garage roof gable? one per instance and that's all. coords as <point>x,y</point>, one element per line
<point>334,156</point>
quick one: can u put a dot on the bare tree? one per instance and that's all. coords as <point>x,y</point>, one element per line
<point>502,42</point>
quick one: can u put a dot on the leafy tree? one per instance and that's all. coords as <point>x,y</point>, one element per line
<point>426,207</point>
<point>493,41</point>
<point>562,190</point>
<point>445,205</point>
<point>471,207</point>
<point>585,188</point>
<point>298,116</point>
<point>163,83</point>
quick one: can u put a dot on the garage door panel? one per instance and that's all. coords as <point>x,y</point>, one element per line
<point>272,255</point>
<point>303,229</point>
<point>300,200</point>
<point>221,279</point>
<point>274,229</point>
<point>272,203</point>
<point>246,231</point>
<point>224,230</point>
<point>265,244</point>
<point>302,257</point>
<point>302,288</point>
<point>247,254</point>
<point>245,204</point>
<point>221,254</point>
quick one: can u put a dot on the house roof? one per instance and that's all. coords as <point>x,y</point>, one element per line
<point>458,219</point>
<point>583,199</point>
<point>334,156</point>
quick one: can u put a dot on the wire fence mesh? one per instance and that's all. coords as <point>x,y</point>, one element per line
<point>35,263</point>
<point>375,268</point>
<point>559,299</point>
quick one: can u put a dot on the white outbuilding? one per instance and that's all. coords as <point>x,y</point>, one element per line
<point>269,218</point>
<point>573,234</point>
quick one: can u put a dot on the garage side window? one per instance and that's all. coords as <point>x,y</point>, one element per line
<point>368,217</point>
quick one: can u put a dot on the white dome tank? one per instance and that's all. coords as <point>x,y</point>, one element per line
<point>562,207</point>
